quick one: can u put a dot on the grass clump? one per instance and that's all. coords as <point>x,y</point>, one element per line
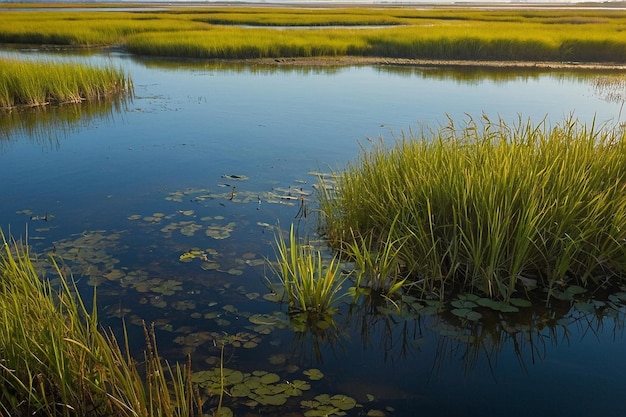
<point>488,207</point>
<point>24,83</point>
<point>56,361</point>
<point>312,286</point>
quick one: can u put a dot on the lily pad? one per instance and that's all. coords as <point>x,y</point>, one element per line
<point>297,387</point>
<point>269,378</point>
<point>276,399</point>
<point>520,302</point>
<point>278,359</point>
<point>314,374</point>
<point>466,314</point>
<point>168,287</point>
<point>497,305</point>
<point>463,304</point>
<point>343,402</point>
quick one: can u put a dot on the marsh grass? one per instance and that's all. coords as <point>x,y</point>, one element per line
<point>313,286</point>
<point>378,266</point>
<point>456,33</point>
<point>55,360</point>
<point>24,83</point>
<point>488,207</point>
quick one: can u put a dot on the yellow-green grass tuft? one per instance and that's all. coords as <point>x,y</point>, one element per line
<point>55,360</point>
<point>25,83</point>
<point>488,207</point>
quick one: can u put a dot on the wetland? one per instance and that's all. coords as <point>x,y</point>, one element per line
<point>168,202</point>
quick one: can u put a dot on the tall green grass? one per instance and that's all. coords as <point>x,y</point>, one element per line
<point>313,287</point>
<point>488,207</point>
<point>55,360</point>
<point>24,83</point>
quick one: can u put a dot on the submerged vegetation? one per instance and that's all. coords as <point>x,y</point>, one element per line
<point>396,32</point>
<point>503,211</point>
<point>24,83</point>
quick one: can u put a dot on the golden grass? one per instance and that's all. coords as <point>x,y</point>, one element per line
<point>217,32</point>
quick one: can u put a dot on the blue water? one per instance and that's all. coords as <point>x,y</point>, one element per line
<point>191,125</point>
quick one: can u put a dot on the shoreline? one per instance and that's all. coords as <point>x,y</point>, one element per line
<point>365,60</point>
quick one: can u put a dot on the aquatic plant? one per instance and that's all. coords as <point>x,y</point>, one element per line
<point>313,287</point>
<point>24,83</point>
<point>489,208</point>
<point>57,361</point>
<point>378,266</point>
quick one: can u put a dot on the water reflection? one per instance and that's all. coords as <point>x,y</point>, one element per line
<point>530,334</point>
<point>476,74</point>
<point>236,67</point>
<point>47,125</point>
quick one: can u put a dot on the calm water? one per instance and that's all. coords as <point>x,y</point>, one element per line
<point>168,202</point>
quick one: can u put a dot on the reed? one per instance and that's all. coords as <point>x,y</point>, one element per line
<point>24,83</point>
<point>488,207</point>
<point>57,361</point>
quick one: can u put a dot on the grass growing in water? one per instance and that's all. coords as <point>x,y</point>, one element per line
<point>312,286</point>
<point>488,207</point>
<point>24,83</point>
<point>56,361</point>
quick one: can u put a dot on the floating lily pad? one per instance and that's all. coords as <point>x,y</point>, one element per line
<point>168,287</point>
<point>463,304</point>
<point>240,390</point>
<point>267,319</point>
<point>296,388</point>
<point>324,411</point>
<point>269,378</point>
<point>343,402</point>
<point>209,266</point>
<point>222,322</point>
<point>314,374</point>
<point>276,399</point>
<point>275,296</point>
<point>520,302</point>
<point>466,313</point>
<point>278,359</point>
<point>497,305</point>
<point>183,305</point>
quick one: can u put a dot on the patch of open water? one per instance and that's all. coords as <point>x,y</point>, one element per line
<point>169,202</point>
